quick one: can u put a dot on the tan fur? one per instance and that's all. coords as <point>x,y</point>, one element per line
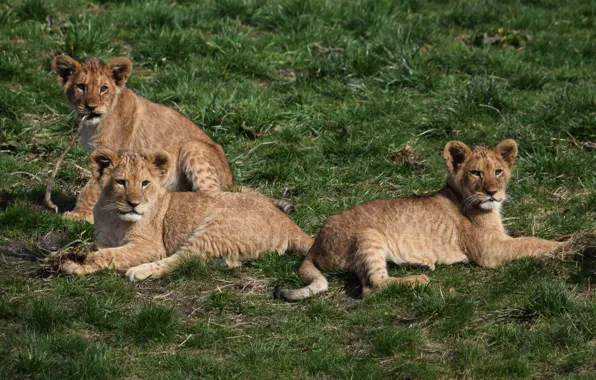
<point>461,222</point>
<point>118,119</point>
<point>138,222</point>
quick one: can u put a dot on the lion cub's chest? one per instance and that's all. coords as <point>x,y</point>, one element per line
<point>111,232</point>
<point>88,133</point>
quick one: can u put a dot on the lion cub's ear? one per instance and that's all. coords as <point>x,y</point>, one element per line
<point>508,150</point>
<point>101,162</point>
<point>120,68</point>
<point>161,161</point>
<point>63,67</point>
<point>455,153</point>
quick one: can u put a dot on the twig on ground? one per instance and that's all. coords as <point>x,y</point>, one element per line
<point>48,194</point>
<point>184,341</point>
<point>27,173</point>
<point>85,172</point>
<point>244,155</point>
<point>577,143</point>
<point>324,50</point>
<point>494,109</point>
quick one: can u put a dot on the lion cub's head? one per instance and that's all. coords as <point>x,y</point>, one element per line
<point>480,174</point>
<point>130,182</point>
<point>92,86</point>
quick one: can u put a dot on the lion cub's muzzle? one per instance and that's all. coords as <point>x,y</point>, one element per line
<point>491,199</point>
<point>92,113</point>
<point>132,211</point>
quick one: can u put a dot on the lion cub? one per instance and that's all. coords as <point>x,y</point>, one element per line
<point>461,222</point>
<point>116,118</point>
<point>138,223</point>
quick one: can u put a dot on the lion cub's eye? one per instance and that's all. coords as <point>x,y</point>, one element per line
<point>498,172</point>
<point>81,86</point>
<point>121,182</point>
<point>475,173</point>
<point>103,88</point>
<point>145,184</point>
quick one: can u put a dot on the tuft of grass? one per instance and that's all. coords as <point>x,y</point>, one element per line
<point>389,341</point>
<point>35,10</point>
<point>190,268</point>
<point>205,336</point>
<point>80,39</point>
<point>66,355</point>
<point>153,323</point>
<point>551,299</point>
<point>46,316</point>
<point>453,312</point>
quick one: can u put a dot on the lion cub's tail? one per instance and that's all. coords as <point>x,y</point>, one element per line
<point>312,276</point>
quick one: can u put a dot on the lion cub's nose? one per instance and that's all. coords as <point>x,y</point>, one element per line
<point>91,107</point>
<point>133,204</point>
<point>491,192</point>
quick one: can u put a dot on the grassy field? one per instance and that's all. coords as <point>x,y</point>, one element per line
<point>340,102</point>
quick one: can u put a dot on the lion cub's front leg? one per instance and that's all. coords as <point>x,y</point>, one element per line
<point>503,251</point>
<point>120,259</point>
<point>154,269</point>
<point>85,202</point>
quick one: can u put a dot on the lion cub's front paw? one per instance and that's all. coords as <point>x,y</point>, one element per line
<point>420,279</point>
<point>78,216</point>
<point>141,272</point>
<point>70,267</point>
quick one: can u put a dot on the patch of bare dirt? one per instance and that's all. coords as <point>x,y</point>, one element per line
<point>41,120</point>
<point>408,157</point>
<point>248,284</point>
<point>286,74</point>
<point>38,248</point>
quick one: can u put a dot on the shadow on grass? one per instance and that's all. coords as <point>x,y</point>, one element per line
<point>351,284</point>
<point>36,197</point>
<point>35,250</point>
<point>63,201</point>
<point>586,260</point>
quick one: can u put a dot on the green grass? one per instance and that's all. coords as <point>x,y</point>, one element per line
<point>323,98</point>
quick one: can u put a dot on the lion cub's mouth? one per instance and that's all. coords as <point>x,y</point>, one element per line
<point>491,204</point>
<point>130,216</point>
<point>91,118</point>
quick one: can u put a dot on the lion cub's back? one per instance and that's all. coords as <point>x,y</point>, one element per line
<point>243,222</point>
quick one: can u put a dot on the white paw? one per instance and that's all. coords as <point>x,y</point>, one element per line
<point>140,272</point>
<point>430,264</point>
<point>69,267</point>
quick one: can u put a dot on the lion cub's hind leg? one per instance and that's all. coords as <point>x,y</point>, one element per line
<point>233,248</point>
<point>298,241</point>
<point>370,263</point>
<point>204,167</point>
